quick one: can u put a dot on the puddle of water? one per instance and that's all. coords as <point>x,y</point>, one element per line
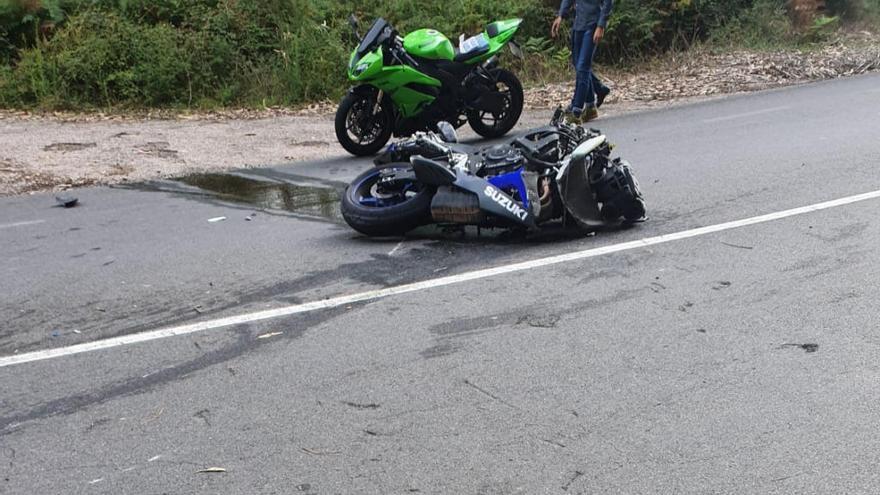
<point>270,194</point>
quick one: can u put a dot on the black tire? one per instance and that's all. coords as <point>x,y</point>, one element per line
<point>503,123</point>
<point>355,111</point>
<point>384,221</point>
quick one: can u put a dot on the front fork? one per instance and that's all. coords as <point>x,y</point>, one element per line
<point>378,105</point>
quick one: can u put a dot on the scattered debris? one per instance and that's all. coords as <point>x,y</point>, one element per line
<point>361,406</point>
<point>66,200</point>
<point>216,219</point>
<point>808,348</point>
<point>567,485</point>
<point>319,452</point>
<point>539,321</point>
<point>737,245</point>
<point>268,335</point>
<point>158,148</point>
<point>204,415</point>
<point>212,470</point>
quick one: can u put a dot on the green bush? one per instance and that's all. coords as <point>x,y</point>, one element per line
<point>766,24</point>
<point>851,10</point>
<point>204,53</point>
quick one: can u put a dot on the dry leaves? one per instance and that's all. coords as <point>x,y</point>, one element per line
<point>697,73</point>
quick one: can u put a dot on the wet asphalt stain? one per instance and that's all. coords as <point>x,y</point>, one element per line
<point>307,203</point>
<point>244,343</point>
<point>271,193</point>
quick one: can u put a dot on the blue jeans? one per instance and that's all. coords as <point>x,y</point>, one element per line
<point>582,52</point>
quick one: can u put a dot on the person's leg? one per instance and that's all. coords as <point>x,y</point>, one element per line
<point>584,96</point>
<point>600,89</point>
<point>577,38</point>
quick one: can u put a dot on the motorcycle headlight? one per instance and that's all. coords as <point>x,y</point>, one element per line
<point>360,69</point>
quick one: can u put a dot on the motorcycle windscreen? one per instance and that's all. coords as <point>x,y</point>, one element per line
<point>577,196</point>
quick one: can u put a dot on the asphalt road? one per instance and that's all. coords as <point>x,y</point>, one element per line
<point>742,361</point>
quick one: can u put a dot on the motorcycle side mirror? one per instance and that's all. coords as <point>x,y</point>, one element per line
<point>447,132</point>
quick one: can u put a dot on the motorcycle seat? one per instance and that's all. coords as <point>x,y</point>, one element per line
<point>461,57</point>
<point>471,47</point>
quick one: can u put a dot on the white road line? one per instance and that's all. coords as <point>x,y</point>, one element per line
<point>21,224</point>
<point>747,114</point>
<point>424,285</point>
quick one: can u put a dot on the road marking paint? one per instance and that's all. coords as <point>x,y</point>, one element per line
<point>21,224</point>
<point>424,285</point>
<point>746,114</point>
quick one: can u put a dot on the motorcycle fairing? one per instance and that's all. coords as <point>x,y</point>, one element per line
<point>573,182</point>
<point>513,180</point>
<point>495,201</point>
<point>492,199</point>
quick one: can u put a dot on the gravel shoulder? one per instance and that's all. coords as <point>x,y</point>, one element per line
<point>42,152</point>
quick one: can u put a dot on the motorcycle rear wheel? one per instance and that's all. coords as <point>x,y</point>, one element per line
<point>376,212</point>
<point>491,125</point>
<point>360,128</point>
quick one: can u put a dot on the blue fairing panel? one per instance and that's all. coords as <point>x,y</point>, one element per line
<point>513,180</point>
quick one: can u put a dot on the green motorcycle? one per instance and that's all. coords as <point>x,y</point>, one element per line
<point>409,84</point>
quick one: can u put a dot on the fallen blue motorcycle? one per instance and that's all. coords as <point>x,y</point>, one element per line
<point>560,173</point>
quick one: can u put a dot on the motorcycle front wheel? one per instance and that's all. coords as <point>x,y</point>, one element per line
<point>380,204</point>
<point>363,125</point>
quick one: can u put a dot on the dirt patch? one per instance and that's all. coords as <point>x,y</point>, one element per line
<point>64,147</point>
<point>701,73</point>
<point>16,178</point>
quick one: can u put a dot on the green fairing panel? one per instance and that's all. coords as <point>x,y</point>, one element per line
<point>430,44</point>
<point>504,33</point>
<point>367,67</point>
<point>393,80</point>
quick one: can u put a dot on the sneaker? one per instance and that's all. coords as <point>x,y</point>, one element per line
<point>589,113</point>
<point>600,96</point>
<point>572,117</point>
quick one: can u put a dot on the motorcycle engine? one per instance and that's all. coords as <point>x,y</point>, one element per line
<point>501,159</point>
